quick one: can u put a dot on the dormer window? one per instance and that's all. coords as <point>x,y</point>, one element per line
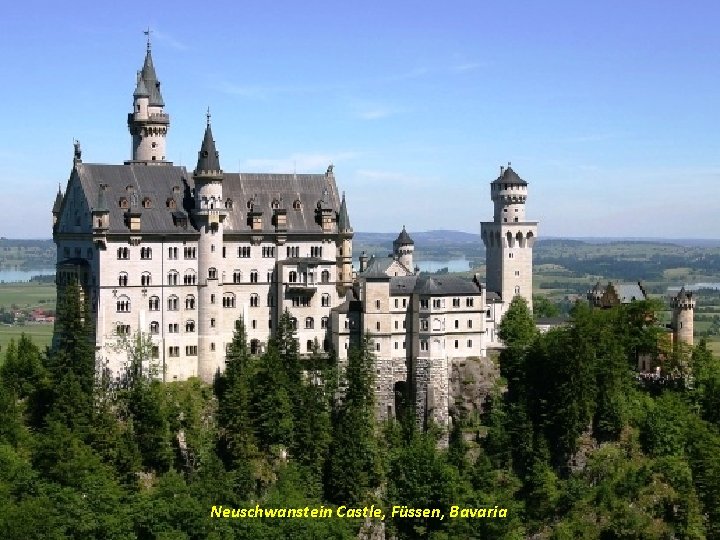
<point>146,202</point>
<point>297,205</point>
<point>124,203</point>
<point>275,204</point>
<point>170,203</point>
<point>229,204</point>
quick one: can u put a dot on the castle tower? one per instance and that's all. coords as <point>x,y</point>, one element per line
<point>209,216</point>
<point>509,239</point>
<point>403,248</point>
<point>344,244</point>
<point>148,123</point>
<point>683,313</point>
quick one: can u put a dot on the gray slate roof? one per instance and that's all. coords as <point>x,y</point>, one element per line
<point>208,156</point>
<point>629,292</point>
<point>403,239</point>
<point>157,183</point>
<point>445,285</point>
<point>151,81</point>
<point>509,177</point>
<point>343,218</point>
<point>58,201</point>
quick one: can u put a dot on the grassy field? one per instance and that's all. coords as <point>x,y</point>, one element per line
<point>27,295</point>
<point>41,334</point>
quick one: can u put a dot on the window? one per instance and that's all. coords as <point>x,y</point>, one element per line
<point>309,323</point>
<point>469,302</point>
<point>154,303</point>
<point>456,302</point>
<point>145,279</point>
<point>469,343</point>
<point>174,351</point>
<point>268,252</point>
<point>470,323</point>
<point>397,303</point>
<point>510,255</point>
<point>189,253</point>
<point>172,303</point>
<point>270,276</point>
<point>253,276</point>
<point>424,325</point>
<point>123,203</point>
<point>123,304</point>
<point>123,253</point>
<point>377,347</point>
<point>228,204</point>
<point>253,324</point>
<point>172,277</point>
<point>172,253</point>
<point>396,345</point>
<point>173,328</point>
<point>212,323</point>
<point>293,276</point>
<point>154,327</point>
<point>254,300</point>
<point>377,304</point>
<point>517,289</point>
<point>122,279</point>
<point>396,325</point>
<point>457,323</point>
<point>404,302</point>
<point>438,303</point>
<point>324,323</point>
<point>190,278</point>
<point>316,252</point>
<point>293,251</point>
<point>293,323</point>
<point>190,326</point>
<point>237,276</point>
<point>244,252</point>
<point>297,205</point>
<point>189,302</point>
<point>423,345</point>
<point>457,343</point>
<point>155,351</point>
<point>212,273</point>
<point>377,326</point>
<point>424,303</point>
<point>325,300</point>
<point>146,253</point>
<point>122,329</point>
<point>212,298</point>
<point>212,346</point>
<point>191,350</point>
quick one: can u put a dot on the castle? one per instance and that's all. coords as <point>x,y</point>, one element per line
<point>180,255</point>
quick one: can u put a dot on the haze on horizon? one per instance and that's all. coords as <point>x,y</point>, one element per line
<point>608,111</point>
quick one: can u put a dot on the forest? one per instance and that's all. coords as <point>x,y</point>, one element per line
<point>574,444</point>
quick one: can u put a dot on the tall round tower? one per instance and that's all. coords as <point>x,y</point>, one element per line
<point>148,122</point>
<point>683,315</point>
<point>509,239</point>
<point>344,245</point>
<point>209,216</point>
<point>403,248</point>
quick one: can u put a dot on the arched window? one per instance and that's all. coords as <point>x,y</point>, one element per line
<point>325,276</point>
<point>253,300</point>
<point>293,276</point>
<point>189,278</point>
<point>172,303</point>
<point>293,323</point>
<point>170,203</point>
<point>237,276</point>
<point>146,202</point>
<point>517,289</point>
<point>325,300</point>
<point>324,322</point>
<point>212,273</point>
<point>309,323</point>
<point>297,205</point>
<point>154,303</point>
<point>275,204</point>
<point>154,327</point>
<point>145,279</point>
<point>189,302</point>
<point>146,253</point>
<point>123,279</point>
<point>123,304</point>
<point>189,325</point>
<point>172,277</point>
<point>228,300</point>
<point>253,276</point>
<point>123,253</point>
<point>123,203</point>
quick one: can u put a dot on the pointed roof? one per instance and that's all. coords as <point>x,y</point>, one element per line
<point>508,176</point>
<point>343,218</point>
<point>141,89</point>
<point>404,239</point>
<point>58,201</point>
<point>208,156</point>
<point>150,79</point>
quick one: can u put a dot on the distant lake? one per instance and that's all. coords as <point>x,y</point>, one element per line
<point>453,265</point>
<point>696,287</point>
<point>14,276</point>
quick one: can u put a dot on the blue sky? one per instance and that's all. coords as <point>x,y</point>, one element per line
<point>608,109</point>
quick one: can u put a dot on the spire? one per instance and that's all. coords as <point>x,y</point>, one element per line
<point>141,90</point>
<point>404,239</point>
<point>343,218</point>
<point>150,79</point>
<point>208,156</point>
<point>58,201</point>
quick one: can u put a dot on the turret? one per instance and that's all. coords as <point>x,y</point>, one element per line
<point>344,244</point>
<point>57,206</point>
<point>148,123</point>
<point>683,314</point>
<point>403,248</point>
<point>209,213</point>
